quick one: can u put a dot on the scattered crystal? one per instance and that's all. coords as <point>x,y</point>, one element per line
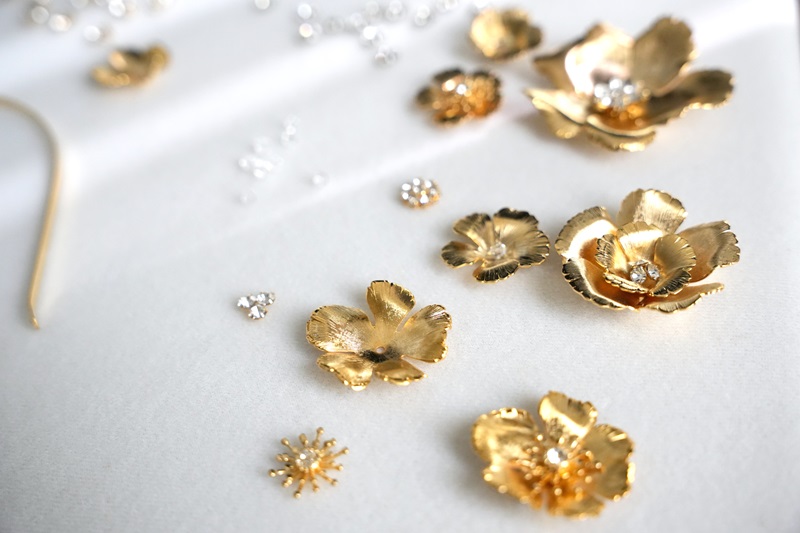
<point>480,5</point>
<point>653,272</point>
<point>641,270</point>
<point>262,5</point>
<point>422,15</point>
<point>319,179</point>
<point>309,31</point>
<point>394,10</point>
<point>616,93</point>
<point>371,36</point>
<point>419,193</point>
<point>372,10</point>
<point>117,8</point>
<point>39,15</point>
<point>555,456</point>
<point>256,304</point>
<point>385,56</point>
<point>307,458</point>
<point>638,274</point>
<point>443,6</point>
<point>355,22</point>
<point>95,34</point>
<point>496,251</point>
<point>60,22</point>
<point>305,12</point>
<point>248,197</point>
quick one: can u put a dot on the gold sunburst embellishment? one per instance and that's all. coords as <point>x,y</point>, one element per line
<point>309,462</point>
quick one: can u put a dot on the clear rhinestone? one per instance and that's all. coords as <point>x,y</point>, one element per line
<point>394,10</point>
<point>319,179</point>
<point>555,456</point>
<point>371,36</point>
<point>248,197</point>
<point>419,193</point>
<point>263,5</point>
<point>496,251</point>
<point>443,6</point>
<point>309,31</point>
<point>385,56</point>
<point>305,12</point>
<point>615,93</point>
<point>39,15</point>
<point>638,274</point>
<point>256,304</point>
<point>461,89</point>
<point>307,459</point>
<point>422,15</point>
<point>60,22</point>
<point>355,22</point>
<point>96,34</point>
<point>117,8</point>
<point>372,10</point>
<point>262,144</point>
<point>653,271</point>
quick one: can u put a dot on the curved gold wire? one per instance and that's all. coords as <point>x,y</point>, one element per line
<point>50,205</point>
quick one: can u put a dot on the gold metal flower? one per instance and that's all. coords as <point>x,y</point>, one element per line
<point>500,244</point>
<point>130,68</point>
<point>309,462</point>
<point>356,348</point>
<point>640,262</point>
<point>455,96</point>
<point>568,465</point>
<point>503,34</point>
<point>617,90</point>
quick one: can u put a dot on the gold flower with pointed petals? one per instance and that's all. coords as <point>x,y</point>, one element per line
<point>356,348</point>
<point>500,244</point>
<point>617,90</point>
<point>130,68</point>
<point>503,34</point>
<point>310,461</point>
<point>567,465</point>
<point>639,261</point>
<point>455,96</point>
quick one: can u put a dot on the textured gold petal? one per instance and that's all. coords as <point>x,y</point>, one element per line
<point>587,278</point>
<point>675,258</point>
<point>714,245</point>
<point>494,271</point>
<point>131,67</point>
<point>508,480</point>
<point>553,67</point>
<point>457,254</point>
<point>684,299</point>
<point>654,207</point>
<point>563,415</point>
<point>424,336</point>
<point>612,448</point>
<point>503,434</point>
<point>390,304</point>
<point>398,372</point>
<point>336,328</point>
<point>629,140</point>
<point>426,97</point>
<point>351,369</point>
<point>605,52</point>
<point>638,240</point>
<point>703,89</point>
<point>503,34</point>
<point>578,508</point>
<point>478,228</point>
<point>519,231</point>
<point>564,112</point>
<point>661,53</point>
<point>578,237</point>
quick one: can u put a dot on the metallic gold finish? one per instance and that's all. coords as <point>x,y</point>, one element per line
<point>50,205</point>
<point>567,465</point>
<point>617,90</point>
<point>500,244</point>
<point>503,34</point>
<point>641,262</point>
<point>131,68</point>
<point>455,96</point>
<point>307,463</point>
<point>355,348</point>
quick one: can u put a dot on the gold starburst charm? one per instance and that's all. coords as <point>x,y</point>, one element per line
<point>131,68</point>
<point>503,34</point>
<point>567,465</point>
<point>455,96</point>
<point>355,349</point>
<point>308,462</point>
<point>616,89</point>
<point>640,261</point>
<point>499,245</point>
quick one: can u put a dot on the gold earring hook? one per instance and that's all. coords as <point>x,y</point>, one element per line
<point>50,205</point>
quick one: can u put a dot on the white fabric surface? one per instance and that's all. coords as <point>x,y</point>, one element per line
<point>148,402</point>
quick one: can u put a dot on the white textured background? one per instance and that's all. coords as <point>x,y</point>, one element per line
<point>149,403</point>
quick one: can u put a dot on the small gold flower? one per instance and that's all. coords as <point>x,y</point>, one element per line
<point>308,463</point>
<point>567,465</point>
<point>130,68</point>
<point>640,262</point>
<point>503,34</point>
<point>356,348</point>
<point>617,90</point>
<point>454,96</point>
<point>500,244</point>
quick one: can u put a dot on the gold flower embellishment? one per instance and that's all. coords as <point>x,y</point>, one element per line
<point>131,68</point>
<point>499,245</point>
<point>568,465</point>
<point>356,348</point>
<point>617,89</point>
<point>455,96</point>
<point>640,262</point>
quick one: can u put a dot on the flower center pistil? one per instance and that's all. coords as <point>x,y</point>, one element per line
<point>615,94</point>
<point>496,251</point>
<point>642,270</point>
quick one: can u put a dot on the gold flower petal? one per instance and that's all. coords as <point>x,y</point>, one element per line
<point>661,53</point>
<point>565,113</point>
<point>455,96</point>
<point>351,369</point>
<point>578,237</point>
<point>656,208</point>
<point>605,52</point>
<point>612,448</point>
<point>509,481</point>
<point>552,66</point>
<point>390,304</point>
<point>630,140</point>
<point>131,67</point>
<point>424,336</point>
<point>494,271</point>
<point>457,254</point>
<point>578,508</point>
<point>563,415</point>
<point>478,228</point>
<point>503,34</point>
<point>675,257</point>
<point>703,89</point>
<point>336,328</point>
<point>519,231</point>
<point>398,372</point>
<point>503,434</point>
<point>684,299</point>
<point>714,245</point>
<point>587,278</point>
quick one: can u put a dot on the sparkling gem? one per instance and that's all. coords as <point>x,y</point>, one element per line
<point>263,5</point>
<point>653,272</point>
<point>443,6</point>
<point>385,56</point>
<point>60,22</point>
<point>96,34</point>
<point>309,31</point>
<point>372,10</point>
<point>496,251</point>
<point>461,88</point>
<point>117,8</point>
<point>615,93</point>
<point>319,179</point>
<point>39,15</point>
<point>355,22</point>
<point>394,10</point>
<point>305,12</point>
<point>419,193</point>
<point>555,456</point>
<point>422,15</point>
<point>371,36</point>
<point>638,274</point>
<point>256,304</point>
<point>262,144</point>
<point>307,458</point>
